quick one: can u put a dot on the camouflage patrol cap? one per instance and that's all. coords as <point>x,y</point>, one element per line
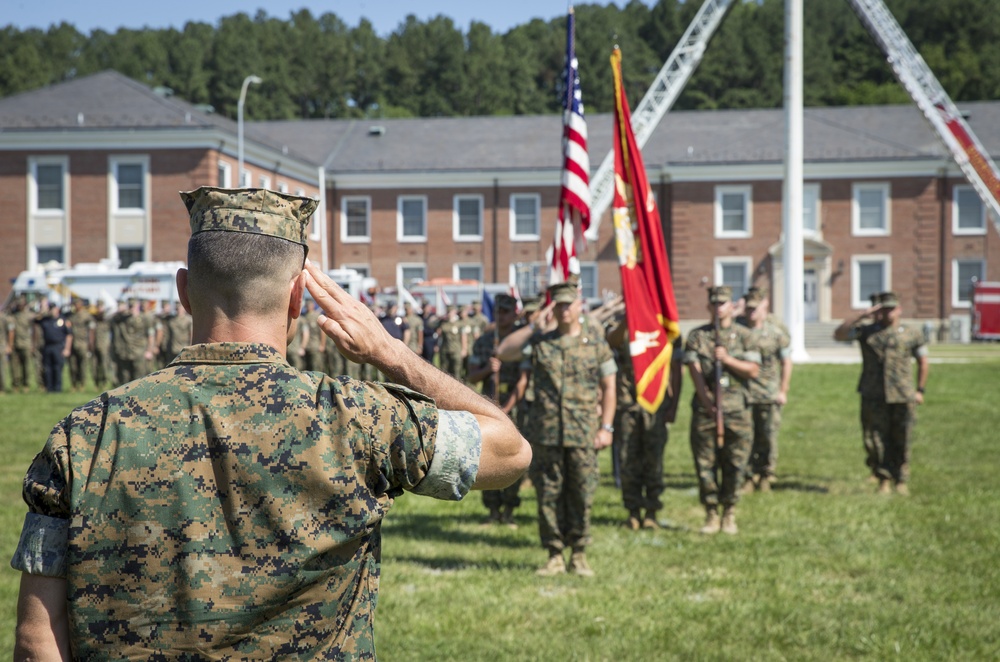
<point>253,210</point>
<point>566,292</point>
<point>873,297</point>
<point>888,299</point>
<point>720,294</point>
<point>531,304</point>
<point>755,295</point>
<point>505,301</point>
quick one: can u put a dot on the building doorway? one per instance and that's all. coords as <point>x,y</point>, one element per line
<point>810,304</point>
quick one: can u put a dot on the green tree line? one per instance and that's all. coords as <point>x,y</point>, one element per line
<point>320,67</point>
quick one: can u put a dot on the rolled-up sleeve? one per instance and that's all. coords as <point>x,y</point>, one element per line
<point>455,464</point>
<point>41,549</point>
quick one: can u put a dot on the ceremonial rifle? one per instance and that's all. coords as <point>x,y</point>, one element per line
<point>720,427</point>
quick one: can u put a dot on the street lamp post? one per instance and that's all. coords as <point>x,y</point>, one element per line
<point>239,126</point>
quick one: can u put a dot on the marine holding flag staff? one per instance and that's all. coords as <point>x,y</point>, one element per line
<point>229,506</point>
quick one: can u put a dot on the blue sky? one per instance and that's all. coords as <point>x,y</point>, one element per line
<point>385,15</point>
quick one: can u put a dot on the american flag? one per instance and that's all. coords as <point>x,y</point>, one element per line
<point>574,194</point>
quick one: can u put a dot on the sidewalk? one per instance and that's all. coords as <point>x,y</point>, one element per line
<point>846,354</point>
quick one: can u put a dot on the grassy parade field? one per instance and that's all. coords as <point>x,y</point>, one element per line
<point>822,569</point>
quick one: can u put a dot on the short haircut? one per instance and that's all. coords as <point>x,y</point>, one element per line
<point>241,273</point>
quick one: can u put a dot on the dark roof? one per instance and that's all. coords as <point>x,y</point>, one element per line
<point>109,100</point>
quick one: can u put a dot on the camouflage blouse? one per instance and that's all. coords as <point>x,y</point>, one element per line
<point>229,506</point>
<point>700,348</point>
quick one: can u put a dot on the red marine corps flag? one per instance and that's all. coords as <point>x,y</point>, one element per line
<point>574,194</point>
<point>650,308</point>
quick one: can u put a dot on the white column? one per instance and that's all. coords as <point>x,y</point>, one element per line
<point>794,314</point>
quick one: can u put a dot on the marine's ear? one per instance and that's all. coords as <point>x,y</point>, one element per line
<point>296,290</point>
<point>182,288</point>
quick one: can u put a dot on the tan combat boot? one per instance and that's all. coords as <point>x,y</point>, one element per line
<point>711,521</point>
<point>634,521</point>
<point>555,566</point>
<point>578,564</point>
<point>902,489</point>
<point>729,521</point>
<point>885,486</point>
<point>649,522</point>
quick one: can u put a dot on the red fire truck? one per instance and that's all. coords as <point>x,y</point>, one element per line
<point>986,311</point>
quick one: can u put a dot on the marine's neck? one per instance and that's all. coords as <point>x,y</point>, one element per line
<point>273,332</point>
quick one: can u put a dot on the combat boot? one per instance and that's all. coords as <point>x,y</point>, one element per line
<point>711,521</point>
<point>633,523</point>
<point>729,521</point>
<point>902,489</point>
<point>649,522</point>
<point>885,486</point>
<point>555,566</point>
<point>764,484</point>
<point>493,517</point>
<point>578,564</point>
<point>507,517</point>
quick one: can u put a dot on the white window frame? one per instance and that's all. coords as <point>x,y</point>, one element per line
<point>264,181</point>
<point>400,266</point>
<point>818,232</point>
<point>33,163</point>
<point>116,162</point>
<point>955,229</point>
<point>514,235</point>
<point>456,269</point>
<point>227,178</point>
<point>282,187</point>
<point>410,239</point>
<point>856,228</point>
<point>245,179</point>
<point>367,237</point>
<point>593,266</point>
<point>747,193</point>
<point>956,302</point>
<point>857,301</point>
<point>455,219</point>
<point>364,269</point>
<point>744,261</point>
<point>541,272</point>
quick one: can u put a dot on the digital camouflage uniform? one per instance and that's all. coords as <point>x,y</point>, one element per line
<point>295,344</point>
<point>259,500</point>
<point>129,340</point>
<point>774,343</point>
<point>482,351</point>
<point>477,323</point>
<point>892,398</point>
<point>230,506</point>
<point>566,372</point>
<point>451,332</point>
<point>83,323</point>
<point>23,348</point>
<point>103,369</point>
<point>416,324</point>
<point>869,389</point>
<point>710,462</point>
<point>6,326</point>
<point>178,332</point>
<point>641,436</point>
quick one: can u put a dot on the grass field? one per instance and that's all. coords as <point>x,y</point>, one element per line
<point>823,569</point>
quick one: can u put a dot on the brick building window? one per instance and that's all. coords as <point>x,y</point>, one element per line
<point>467,272</point>
<point>869,275</point>
<point>411,218</point>
<point>734,272</point>
<point>870,210</point>
<point>588,280</point>
<point>810,210</point>
<point>467,215</point>
<point>409,273</point>
<point>130,183</point>
<point>45,254</point>
<point>225,175</point>
<point>355,225</point>
<point>127,255</point>
<point>733,218</point>
<point>524,216</point>
<point>49,180</point>
<point>963,272</point>
<point>968,216</point>
<point>529,277</point>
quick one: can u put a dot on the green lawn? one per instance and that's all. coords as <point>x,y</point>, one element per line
<point>823,569</point>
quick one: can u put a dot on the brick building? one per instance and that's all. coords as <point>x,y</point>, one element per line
<point>89,169</point>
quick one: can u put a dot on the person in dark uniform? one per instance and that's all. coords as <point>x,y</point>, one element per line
<point>57,343</point>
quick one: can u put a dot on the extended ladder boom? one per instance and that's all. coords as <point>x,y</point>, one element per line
<point>921,84</point>
<point>661,96</point>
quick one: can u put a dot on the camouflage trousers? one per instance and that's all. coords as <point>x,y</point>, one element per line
<point>764,451</point>
<point>452,364</point>
<point>890,436</point>
<point>315,360</point>
<point>642,437</point>
<point>20,368</point>
<point>4,377</point>
<point>565,480</point>
<point>869,410</point>
<point>78,366</point>
<point>505,498</point>
<point>127,370</point>
<point>720,470</point>
<point>102,369</point>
